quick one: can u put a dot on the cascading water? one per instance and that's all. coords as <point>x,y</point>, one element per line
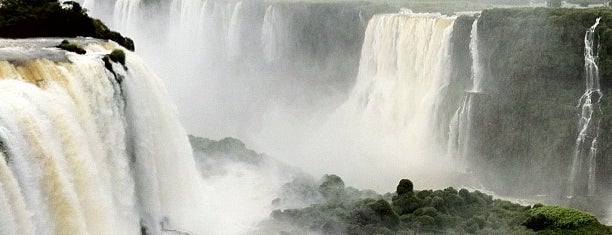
<point>461,123</point>
<point>126,13</point>
<point>402,69</point>
<point>85,154</point>
<point>233,40</point>
<point>402,74</point>
<point>588,125</point>
<point>272,35</point>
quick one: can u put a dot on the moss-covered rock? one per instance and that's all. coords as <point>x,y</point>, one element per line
<point>118,56</point>
<point>561,220</point>
<point>72,47</point>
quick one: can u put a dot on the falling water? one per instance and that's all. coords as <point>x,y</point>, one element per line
<point>588,124</point>
<point>402,69</point>
<point>125,14</point>
<point>271,35</point>
<point>233,35</point>
<point>461,124</point>
<point>85,154</point>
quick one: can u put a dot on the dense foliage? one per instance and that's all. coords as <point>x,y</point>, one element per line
<point>49,18</point>
<point>72,47</point>
<point>445,211</point>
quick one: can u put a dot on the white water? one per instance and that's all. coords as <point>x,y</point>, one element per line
<point>272,37</point>
<point>460,127</point>
<point>233,41</point>
<point>385,125</point>
<point>88,155</point>
<point>403,69</point>
<point>588,127</point>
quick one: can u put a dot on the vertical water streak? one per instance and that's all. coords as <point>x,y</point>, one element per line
<point>233,41</point>
<point>126,14</point>
<point>272,39</point>
<point>476,64</point>
<point>460,127</point>
<point>588,124</point>
<point>7,220</point>
<point>22,216</point>
<point>28,172</point>
<point>172,187</point>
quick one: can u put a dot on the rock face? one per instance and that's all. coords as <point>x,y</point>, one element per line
<point>535,66</point>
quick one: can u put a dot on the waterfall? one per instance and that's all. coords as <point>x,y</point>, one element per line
<point>588,124</point>
<point>461,123</point>
<point>272,35</point>
<point>402,74</point>
<point>476,64</point>
<point>85,154</point>
<point>233,45</point>
<point>126,13</point>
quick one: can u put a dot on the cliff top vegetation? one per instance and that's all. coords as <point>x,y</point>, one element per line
<point>50,18</point>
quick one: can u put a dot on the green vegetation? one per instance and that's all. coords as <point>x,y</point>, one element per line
<point>533,77</point>
<point>558,217</point>
<point>49,18</point>
<point>445,211</point>
<point>560,220</point>
<point>72,47</point>
<point>118,56</point>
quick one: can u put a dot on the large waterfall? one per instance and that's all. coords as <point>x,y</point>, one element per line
<point>388,117</point>
<point>87,150</point>
<point>403,71</point>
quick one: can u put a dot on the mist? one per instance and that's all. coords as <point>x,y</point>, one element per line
<point>315,85</point>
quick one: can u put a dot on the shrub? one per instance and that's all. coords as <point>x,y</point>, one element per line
<point>68,46</point>
<point>387,215</point>
<point>404,186</point>
<point>558,217</point>
<point>118,56</point>
<point>332,187</point>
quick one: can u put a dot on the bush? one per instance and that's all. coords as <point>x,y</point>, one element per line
<point>332,187</point>
<point>68,46</point>
<point>387,215</point>
<point>558,217</point>
<point>405,186</point>
<point>118,56</point>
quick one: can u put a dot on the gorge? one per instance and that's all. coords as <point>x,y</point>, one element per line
<point>510,101</point>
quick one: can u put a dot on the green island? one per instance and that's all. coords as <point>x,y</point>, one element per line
<point>346,210</point>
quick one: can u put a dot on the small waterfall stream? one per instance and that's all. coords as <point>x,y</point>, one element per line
<point>461,124</point>
<point>588,124</point>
